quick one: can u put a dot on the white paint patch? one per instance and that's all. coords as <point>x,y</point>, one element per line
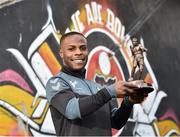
<point>104,63</point>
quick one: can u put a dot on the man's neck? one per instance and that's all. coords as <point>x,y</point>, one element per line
<point>75,73</point>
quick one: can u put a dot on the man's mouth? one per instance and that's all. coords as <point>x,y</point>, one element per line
<point>77,61</point>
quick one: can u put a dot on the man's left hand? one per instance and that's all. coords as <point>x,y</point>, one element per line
<point>137,98</point>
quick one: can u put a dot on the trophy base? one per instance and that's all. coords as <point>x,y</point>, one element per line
<point>143,87</point>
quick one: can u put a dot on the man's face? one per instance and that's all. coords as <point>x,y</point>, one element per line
<point>74,51</point>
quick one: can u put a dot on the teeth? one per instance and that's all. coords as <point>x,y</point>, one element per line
<point>78,61</point>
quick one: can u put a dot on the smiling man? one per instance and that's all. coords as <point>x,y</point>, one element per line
<point>74,51</point>
<point>82,107</point>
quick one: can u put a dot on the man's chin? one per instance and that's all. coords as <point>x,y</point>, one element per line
<point>78,68</point>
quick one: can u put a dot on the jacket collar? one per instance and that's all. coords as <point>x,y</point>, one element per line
<point>75,73</point>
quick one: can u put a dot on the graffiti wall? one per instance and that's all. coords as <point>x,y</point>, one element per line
<point>29,39</point>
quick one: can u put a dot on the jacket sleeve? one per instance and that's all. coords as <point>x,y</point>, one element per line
<point>69,104</point>
<point>119,116</point>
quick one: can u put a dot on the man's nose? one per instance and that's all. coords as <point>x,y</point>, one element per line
<point>78,51</point>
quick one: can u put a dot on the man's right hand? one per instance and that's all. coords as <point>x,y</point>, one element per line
<point>124,88</point>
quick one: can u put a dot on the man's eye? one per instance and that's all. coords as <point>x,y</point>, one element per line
<point>83,48</point>
<point>71,49</point>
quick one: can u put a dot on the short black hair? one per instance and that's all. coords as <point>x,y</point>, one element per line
<point>69,34</point>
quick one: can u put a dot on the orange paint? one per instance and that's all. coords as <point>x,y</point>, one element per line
<point>48,56</point>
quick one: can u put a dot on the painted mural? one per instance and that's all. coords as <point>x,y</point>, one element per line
<point>29,39</point>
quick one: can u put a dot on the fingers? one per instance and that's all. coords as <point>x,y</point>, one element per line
<point>134,84</point>
<point>129,91</point>
<point>124,88</point>
<point>130,85</point>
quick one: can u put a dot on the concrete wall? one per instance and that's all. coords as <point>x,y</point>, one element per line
<point>29,39</point>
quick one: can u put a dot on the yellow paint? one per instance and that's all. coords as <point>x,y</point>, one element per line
<point>165,126</point>
<point>9,125</point>
<point>17,98</point>
<point>41,119</point>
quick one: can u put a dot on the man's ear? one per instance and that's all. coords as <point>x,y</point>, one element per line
<point>61,53</point>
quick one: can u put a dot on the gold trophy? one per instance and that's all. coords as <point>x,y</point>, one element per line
<point>138,61</point>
